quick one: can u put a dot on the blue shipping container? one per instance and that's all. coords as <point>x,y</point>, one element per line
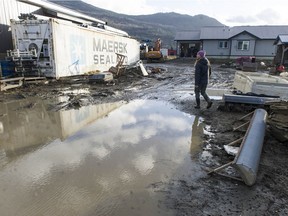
<point>7,68</point>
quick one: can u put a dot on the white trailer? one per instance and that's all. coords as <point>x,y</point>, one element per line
<point>66,49</point>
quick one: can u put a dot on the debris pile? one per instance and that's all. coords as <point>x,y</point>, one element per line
<point>278,120</point>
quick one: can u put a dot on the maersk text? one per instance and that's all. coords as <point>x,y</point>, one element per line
<point>102,45</point>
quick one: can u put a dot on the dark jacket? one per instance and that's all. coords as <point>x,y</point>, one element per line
<point>201,72</point>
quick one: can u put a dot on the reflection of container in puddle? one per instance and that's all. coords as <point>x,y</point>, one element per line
<point>30,128</point>
<point>73,120</point>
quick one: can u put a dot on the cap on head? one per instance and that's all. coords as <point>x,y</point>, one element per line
<point>201,53</point>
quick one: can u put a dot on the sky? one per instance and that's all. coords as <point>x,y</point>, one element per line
<point>228,12</point>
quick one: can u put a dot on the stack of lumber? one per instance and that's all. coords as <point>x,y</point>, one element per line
<point>278,120</point>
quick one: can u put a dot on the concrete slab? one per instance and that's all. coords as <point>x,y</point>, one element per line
<point>261,83</point>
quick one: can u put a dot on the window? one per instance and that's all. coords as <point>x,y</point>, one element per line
<point>243,45</point>
<point>223,44</point>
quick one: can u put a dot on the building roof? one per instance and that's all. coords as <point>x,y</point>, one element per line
<point>188,35</point>
<point>225,32</point>
<point>281,39</point>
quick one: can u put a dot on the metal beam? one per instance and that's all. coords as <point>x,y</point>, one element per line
<point>248,158</point>
<point>62,10</point>
<point>246,99</point>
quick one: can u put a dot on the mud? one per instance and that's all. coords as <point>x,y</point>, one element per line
<point>173,83</point>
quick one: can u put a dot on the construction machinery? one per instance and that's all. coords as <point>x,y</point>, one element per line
<point>154,56</point>
<point>155,53</point>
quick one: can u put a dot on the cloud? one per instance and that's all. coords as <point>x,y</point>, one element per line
<point>268,16</point>
<point>263,17</point>
<point>241,19</point>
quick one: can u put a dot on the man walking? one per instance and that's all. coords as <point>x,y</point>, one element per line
<point>202,65</point>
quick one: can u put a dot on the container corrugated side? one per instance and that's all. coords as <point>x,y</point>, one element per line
<point>79,50</point>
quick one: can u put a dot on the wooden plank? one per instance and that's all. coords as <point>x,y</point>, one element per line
<point>236,141</point>
<point>243,125</point>
<point>220,168</point>
<point>34,78</point>
<point>4,87</point>
<point>11,79</point>
<point>249,114</point>
<point>144,72</point>
<point>11,83</point>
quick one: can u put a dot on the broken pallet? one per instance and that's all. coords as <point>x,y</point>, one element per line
<point>6,84</point>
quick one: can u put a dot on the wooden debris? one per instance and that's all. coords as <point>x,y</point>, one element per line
<point>15,82</point>
<point>241,126</point>
<point>6,84</point>
<point>120,67</point>
<point>31,80</point>
<point>278,120</point>
<point>236,142</point>
<point>250,66</point>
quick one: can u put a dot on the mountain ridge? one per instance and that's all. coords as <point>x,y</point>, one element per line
<point>143,27</point>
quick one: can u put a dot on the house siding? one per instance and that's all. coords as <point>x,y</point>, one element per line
<point>261,40</point>
<point>265,48</point>
<point>234,45</point>
<point>212,48</point>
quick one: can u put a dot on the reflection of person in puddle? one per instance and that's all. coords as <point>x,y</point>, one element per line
<point>197,133</point>
<point>1,128</point>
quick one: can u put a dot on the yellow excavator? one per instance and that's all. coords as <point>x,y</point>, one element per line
<point>155,54</point>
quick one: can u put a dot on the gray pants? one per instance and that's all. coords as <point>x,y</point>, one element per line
<point>201,89</point>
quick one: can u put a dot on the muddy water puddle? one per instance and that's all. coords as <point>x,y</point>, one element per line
<point>96,160</point>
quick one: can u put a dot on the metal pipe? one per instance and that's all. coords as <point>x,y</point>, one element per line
<point>245,99</point>
<point>248,157</point>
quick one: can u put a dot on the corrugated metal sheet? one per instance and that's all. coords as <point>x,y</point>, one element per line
<point>188,35</point>
<point>10,9</point>
<point>262,32</point>
<point>78,50</point>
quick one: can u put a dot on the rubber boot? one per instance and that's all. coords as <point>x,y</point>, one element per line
<point>197,104</point>
<point>209,104</point>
